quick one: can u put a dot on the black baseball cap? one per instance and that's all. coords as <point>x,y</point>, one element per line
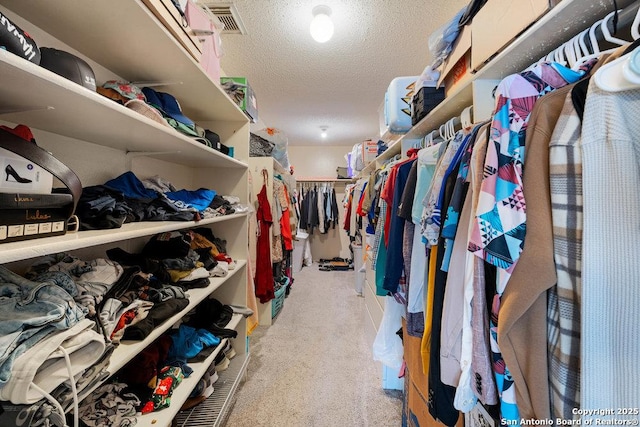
<point>69,66</point>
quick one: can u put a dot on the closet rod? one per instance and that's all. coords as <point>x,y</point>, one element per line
<point>625,19</point>
<point>324,179</point>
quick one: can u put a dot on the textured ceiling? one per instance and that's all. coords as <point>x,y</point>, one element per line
<point>302,85</point>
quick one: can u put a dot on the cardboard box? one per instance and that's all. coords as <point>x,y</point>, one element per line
<point>40,181</point>
<point>247,101</point>
<point>417,386</point>
<point>170,17</point>
<point>457,66</point>
<point>479,417</point>
<point>498,23</point>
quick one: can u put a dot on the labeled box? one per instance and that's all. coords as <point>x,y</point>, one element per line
<point>31,216</point>
<point>369,151</point>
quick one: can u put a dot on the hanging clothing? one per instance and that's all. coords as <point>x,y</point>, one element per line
<point>335,214</point>
<point>441,404</point>
<point>285,226</point>
<point>499,228</point>
<point>523,312</point>
<point>264,273</point>
<point>483,383</point>
<point>450,224</point>
<point>457,333</point>
<point>430,218</point>
<point>425,344</point>
<point>303,215</point>
<point>564,299</point>
<point>347,210</point>
<point>321,210</point>
<point>452,316</point>
<point>404,211</point>
<point>610,293</point>
<point>427,161</point>
<point>381,253</point>
<point>395,262</point>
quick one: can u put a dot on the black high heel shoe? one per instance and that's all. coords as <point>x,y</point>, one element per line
<point>9,170</point>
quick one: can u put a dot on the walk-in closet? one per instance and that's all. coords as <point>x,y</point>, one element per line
<point>319,213</point>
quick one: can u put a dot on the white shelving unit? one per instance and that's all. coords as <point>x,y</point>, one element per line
<point>227,383</point>
<point>127,350</point>
<point>182,392</point>
<point>560,24</point>
<point>100,139</point>
<point>33,248</point>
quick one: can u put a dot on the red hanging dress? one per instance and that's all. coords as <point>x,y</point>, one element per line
<point>264,271</point>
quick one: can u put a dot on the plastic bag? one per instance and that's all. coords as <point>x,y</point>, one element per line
<point>259,147</point>
<point>441,40</point>
<point>357,163</point>
<point>387,347</point>
<point>429,77</point>
<point>281,143</point>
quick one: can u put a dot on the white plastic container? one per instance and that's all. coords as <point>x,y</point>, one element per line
<point>397,104</point>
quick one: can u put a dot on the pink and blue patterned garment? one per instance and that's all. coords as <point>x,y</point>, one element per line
<point>500,224</point>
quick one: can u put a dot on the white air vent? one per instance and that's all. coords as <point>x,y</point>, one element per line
<point>228,14</point>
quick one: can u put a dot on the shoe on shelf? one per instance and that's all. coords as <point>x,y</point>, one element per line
<point>198,390</point>
<point>213,374</point>
<point>239,309</point>
<point>229,351</point>
<point>208,389</point>
<point>221,362</point>
<point>200,393</point>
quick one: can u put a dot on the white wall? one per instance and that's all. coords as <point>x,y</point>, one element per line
<point>312,161</point>
<point>321,162</point>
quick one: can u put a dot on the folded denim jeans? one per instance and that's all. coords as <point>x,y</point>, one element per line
<point>29,311</point>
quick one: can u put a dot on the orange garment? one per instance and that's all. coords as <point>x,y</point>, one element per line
<point>425,345</point>
<point>285,228</point>
<point>198,242</point>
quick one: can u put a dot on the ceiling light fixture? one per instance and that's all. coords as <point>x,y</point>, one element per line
<point>321,28</point>
<point>323,133</point>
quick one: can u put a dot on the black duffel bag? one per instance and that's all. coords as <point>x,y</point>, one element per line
<point>18,41</point>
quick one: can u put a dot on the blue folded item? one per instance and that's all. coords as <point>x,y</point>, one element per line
<point>199,199</point>
<point>188,342</point>
<point>129,184</point>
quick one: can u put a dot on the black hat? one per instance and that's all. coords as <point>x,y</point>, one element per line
<point>68,66</point>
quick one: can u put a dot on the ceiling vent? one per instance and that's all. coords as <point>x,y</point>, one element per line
<point>229,16</point>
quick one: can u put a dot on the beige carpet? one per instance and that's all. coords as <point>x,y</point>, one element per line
<point>313,367</point>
